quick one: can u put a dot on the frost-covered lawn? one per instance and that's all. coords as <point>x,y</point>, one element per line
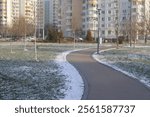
<point>132,61</point>
<point>21,77</point>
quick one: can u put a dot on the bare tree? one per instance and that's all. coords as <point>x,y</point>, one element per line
<point>18,27</point>
<point>29,28</point>
<point>75,28</point>
<point>10,33</point>
<point>134,30</point>
<point>145,23</point>
<point>125,29</point>
<point>116,21</point>
<point>14,29</point>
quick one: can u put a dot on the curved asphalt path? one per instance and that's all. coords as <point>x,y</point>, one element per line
<point>105,83</point>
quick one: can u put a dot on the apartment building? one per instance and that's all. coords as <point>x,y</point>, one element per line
<point>13,9</point>
<point>69,16</point>
<point>40,17</point>
<point>123,15</point>
<point>90,17</point>
<point>48,6</point>
<point>32,10</point>
<point>5,16</point>
<point>114,14</point>
<point>54,13</point>
<point>51,12</point>
<point>3,12</point>
<point>29,10</point>
<point>140,16</point>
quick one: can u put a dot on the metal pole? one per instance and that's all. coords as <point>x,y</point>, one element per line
<point>25,44</point>
<point>11,50</point>
<point>35,46</point>
<point>95,29</point>
<point>98,41</point>
<point>43,20</point>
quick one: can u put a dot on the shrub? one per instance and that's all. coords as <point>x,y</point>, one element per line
<point>89,37</point>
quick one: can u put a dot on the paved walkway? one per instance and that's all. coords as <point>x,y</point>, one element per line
<point>105,83</point>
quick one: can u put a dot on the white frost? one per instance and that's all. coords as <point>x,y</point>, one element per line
<point>105,62</point>
<point>75,85</point>
<point>22,68</point>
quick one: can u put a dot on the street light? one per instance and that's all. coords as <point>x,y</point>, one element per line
<point>25,38</point>
<point>35,21</point>
<point>95,28</point>
<point>98,41</point>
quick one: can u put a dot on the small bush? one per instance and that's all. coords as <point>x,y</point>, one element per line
<point>89,37</point>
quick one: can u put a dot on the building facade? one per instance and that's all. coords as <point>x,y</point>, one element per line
<point>40,17</point>
<point>13,9</point>
<point>114,14</point>
<point>123,18</point>
<point>3,12</point>
<point>90,17</point>
<point>31,10</point>
<point>140,16</point>
<point>51,12</point>
<point>69,16</point>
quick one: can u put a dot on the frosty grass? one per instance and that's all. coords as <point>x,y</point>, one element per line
<point>21,77</point>
<point>132,61</point>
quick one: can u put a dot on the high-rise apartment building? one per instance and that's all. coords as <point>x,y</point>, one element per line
<point>29,10</point>
<point>51,12</point>
<point>3,12</point>
<point>69,16</point>
<point>140,16</point>
<point>48,6</point>
<point>13,9</point>
<point>55,13</point>
<point>123,16</point>
<point>113,15</point>
<point>90,17</point>
<point>40,17</point>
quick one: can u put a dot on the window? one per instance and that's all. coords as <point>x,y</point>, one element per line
<point>123,18</point>
<point>109,5</point>
<point>109,18</point>
<point>103,32</point>
<point>103,12</point>
<point>109,32</point>
<point>134,9</point>
<point>103,19</point>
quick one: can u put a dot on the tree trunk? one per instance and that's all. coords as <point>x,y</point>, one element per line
<point>145,38</point>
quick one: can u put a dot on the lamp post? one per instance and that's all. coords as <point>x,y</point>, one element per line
<point>95,29</point>
<point>25,36</point>
<point>98,41</point>
<point>43,20</point>
<point>35,45</point>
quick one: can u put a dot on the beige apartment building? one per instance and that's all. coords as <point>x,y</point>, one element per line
<point>3,12</point>
<point>5,16</point>
<point>29,10</point>
<point>32,10</point>
<point>12,9</point>
<point>69,16</point>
